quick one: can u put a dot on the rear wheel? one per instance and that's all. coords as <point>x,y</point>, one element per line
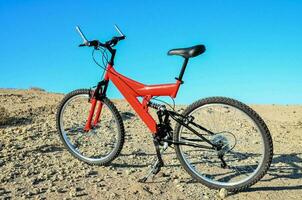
<point>103,142</point>
<point>246,144</point>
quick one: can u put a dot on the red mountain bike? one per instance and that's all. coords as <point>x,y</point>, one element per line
<point>220,142</point>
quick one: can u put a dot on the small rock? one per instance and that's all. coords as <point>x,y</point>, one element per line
<point>163,174</point>
<point>53,188</point>
<point>35,181</point>
<point>61,190</point>
<point>36,191</point>
<point>255,142</point>
<point>118,172</point>
<point>176,181</point>
<point>175,176</point>
<point>223,193</point>
<point>100,185</point>
<point>19,146</point>
<point>74,191</point>
<point>92,173</point>
<point>113,195</point>
<point>24,130</point>
<point>2,162</point>
<point>29,194</point>
<point>26,172</point>
<point>99,179</point>
<point>60,177</point>
<point>2,191</point>
<point>180,187</point>
<point>130,171</point>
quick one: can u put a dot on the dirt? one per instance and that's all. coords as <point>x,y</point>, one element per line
<point>34,163</point>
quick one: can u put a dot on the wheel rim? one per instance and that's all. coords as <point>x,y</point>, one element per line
<point>207,168</point>
<point>73,118</point>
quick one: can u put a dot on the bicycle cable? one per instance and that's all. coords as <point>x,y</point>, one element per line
<point>156,99</point>
<point>105,68</point>
<point>104,62</point>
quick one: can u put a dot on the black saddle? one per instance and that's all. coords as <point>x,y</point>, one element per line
<point>189,52</point>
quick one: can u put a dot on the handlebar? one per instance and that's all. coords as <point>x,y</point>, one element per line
<point>95,43</point>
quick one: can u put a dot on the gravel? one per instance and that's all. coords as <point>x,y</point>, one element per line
<point>34,163</point>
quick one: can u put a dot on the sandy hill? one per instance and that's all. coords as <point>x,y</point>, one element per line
<point>34,164</point>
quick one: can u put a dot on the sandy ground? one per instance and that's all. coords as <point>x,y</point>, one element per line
<point>34,163</point>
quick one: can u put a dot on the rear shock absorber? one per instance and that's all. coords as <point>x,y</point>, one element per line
<point>156,106</point>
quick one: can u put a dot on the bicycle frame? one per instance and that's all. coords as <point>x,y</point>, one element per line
<point>131,90</point>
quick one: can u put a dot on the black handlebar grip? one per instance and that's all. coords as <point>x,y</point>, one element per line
<point>82,45</point>
<point>94,43</point>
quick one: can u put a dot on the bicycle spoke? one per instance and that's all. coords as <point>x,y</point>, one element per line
<point>99,141</point>
<point>226,122</point>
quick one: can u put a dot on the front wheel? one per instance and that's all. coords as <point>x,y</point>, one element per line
<point>103,142</point>
<point>245,141</point>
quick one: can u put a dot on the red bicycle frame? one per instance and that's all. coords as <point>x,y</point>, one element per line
<point>131,90</point>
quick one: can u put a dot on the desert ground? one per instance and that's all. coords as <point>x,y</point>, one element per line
<point>34,163</point>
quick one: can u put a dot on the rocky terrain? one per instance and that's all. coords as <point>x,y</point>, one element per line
<point>34,163</point>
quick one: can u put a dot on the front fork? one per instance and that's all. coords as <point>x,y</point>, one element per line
<point>95,98</point>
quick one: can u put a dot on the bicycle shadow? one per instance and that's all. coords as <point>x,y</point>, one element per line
<point>127,115</point>
<point>16,121</point>
<point>146,156</point>
<point>284,167</point>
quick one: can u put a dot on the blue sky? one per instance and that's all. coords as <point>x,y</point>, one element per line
<point>253,52</point>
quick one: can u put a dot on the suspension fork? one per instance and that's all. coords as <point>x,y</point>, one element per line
<point>98,113</point>
<point>95,100</point>
<point>91,113</point>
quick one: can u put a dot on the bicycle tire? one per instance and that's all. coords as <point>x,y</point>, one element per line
<point>117,116</point>
<point>268,144</point>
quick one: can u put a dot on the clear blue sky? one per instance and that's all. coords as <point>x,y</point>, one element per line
<point>253,52</point>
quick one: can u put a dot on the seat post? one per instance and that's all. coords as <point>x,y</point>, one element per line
<point>184,65</point>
